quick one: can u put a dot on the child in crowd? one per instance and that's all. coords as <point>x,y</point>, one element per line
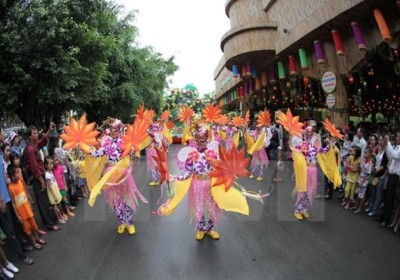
<point>363,180</point>
<point>22,208</point>
<point>352,169</point>
<point>7,268</point>
<point>53,192</point>
<point>15,161</point>
<point>58,172</point>
<point>81,175</point>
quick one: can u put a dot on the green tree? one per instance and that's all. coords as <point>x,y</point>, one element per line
<point>73,54</point>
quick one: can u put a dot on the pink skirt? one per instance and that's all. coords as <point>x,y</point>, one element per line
<point>259,157</point>
<point>312,180</point>
<point>126,189</point>
<point>201,202</point>
<point>150,161</point>
<point>229,144</point>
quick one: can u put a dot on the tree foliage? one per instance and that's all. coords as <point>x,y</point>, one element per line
<point>77,55</point>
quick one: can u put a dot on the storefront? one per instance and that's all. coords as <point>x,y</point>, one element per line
<point>316,60</point>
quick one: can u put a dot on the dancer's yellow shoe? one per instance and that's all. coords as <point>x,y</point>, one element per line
<point>199,235</point>
<point>251,177</point>
<point>260,178</point>
<point>298,216</point>
<point>121,228</point>
<point>131,229</point>
<point>305,214</point>
<point>213,234</point>
<point>154,183</point>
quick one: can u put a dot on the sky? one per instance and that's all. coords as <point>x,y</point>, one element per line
<point>190,30</point>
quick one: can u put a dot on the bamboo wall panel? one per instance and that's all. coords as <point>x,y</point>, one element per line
<point>248,39</point>
<point>243,12</point>
<point>302,17</point>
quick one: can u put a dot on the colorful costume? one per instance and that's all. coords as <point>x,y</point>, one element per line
<point>120,195</point>
<point>260,140</point>
<point>207,184</point>
<point>156,135</point>
<point>201,204</point>
<point>231,136</point>
<point>306,150</point>
<point>309,148</point>
<point>305,155</point>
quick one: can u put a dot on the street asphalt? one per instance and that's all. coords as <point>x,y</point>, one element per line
<point>268,244</point>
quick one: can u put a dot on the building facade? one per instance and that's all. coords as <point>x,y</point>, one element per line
<point>275,47</point>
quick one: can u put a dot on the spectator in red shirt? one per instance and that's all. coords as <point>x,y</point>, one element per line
<point>35,167</point>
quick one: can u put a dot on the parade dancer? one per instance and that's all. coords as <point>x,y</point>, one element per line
<point>305,154</point>
<point>230,132</point>
<point>309,148</point>
<point>261,137</point>
<point>121,195</point>
<point>155,132</point>
<point>259,159</point>
<point>201,204</point>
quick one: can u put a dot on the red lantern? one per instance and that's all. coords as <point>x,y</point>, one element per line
<point>337,40</point>
<point>292,65</point>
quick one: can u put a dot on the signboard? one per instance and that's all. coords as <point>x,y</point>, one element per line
<point>328,82</point>
<point>330,101</point>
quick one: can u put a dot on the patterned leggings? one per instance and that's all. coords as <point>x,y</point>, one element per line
<point>302,204</point>
<point>261,172</point>
<point>124,212</point>
<point>203,227</point>
<point>155,175</point>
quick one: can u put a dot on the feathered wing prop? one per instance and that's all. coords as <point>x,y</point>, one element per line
<point>290,123</point>
<point>136,133</point>
<point>162,163</point>
<point>226,170</point>
<point>223,120</point>
<point>185,114</point>
<point>79,134</point>
<point>247,117</point>
<point>212,113</point>
<point>170,125</point>
<point>143,113</point>
<point>334,132</point>
<point>165,115</point>
<point>231,165</point>
<point>238,121</point>
<point>264,118</point>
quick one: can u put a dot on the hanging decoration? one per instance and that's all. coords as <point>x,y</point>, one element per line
<point>358,36</point>
<point>281,71</point>
<point>251,86</point>
<point>292,65</point>
<point>319,52</point>
<point>241,91</point>
<point>244,71</point>
<point>271,75</point>
<point>258,83</point>
<point>235,71</point>
<point>248,69</point>
<point>263,78</point>
<point>337,40</point>
<point>253,72</point>
<point>380,20</point>
<point>303,59</point>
